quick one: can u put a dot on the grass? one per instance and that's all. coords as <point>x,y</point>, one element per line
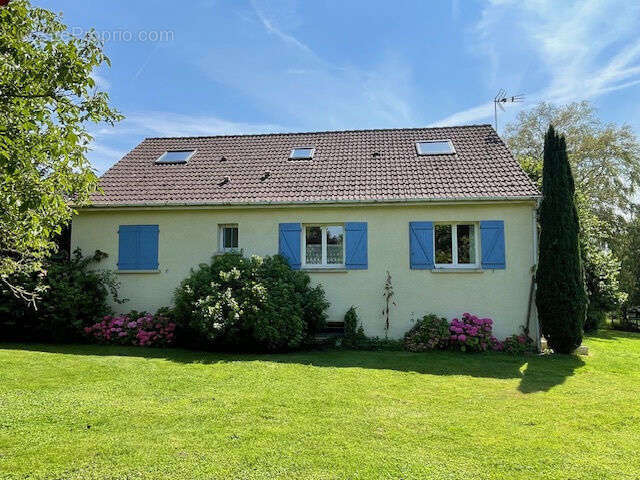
<point>92,412</point>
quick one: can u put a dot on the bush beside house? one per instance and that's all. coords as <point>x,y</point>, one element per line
<point>469,333</point>
<point>232,303</point>
<point>249,304</point>
<point>141,329</point>
<point>429,333</point>
<point>72,293</point>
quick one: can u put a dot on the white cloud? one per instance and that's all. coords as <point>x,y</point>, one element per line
<point>558,51</point>
<point>167,124</point>
<point>286,76</point>
<point>272,29</point>
<point>468,116</point>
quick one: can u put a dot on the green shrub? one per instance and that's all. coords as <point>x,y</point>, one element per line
<point>380,344</point>
<point>429,333</point>
<point>355,338</point>
<point>252,303</point>
<point>353,333</point>
<point>518,344</point>
<point>75,295</point>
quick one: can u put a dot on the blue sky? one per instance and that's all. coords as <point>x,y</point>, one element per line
<point>230,66</point>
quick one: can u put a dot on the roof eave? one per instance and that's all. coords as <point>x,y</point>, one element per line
<point>495,199</point>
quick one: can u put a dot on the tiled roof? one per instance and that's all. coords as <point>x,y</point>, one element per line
<point>356,165</point>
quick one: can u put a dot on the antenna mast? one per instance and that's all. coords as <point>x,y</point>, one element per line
<point>500,98</point>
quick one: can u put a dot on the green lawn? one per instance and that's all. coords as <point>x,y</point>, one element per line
<point>90,412</point>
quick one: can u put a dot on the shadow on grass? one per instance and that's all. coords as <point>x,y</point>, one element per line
<point>536,373</point>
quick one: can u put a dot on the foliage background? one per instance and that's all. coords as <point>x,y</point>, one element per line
<point>47,99</point>
<point>605,161</point>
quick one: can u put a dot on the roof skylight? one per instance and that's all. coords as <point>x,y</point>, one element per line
<point>434,147</point>
<point>175,156</point>
<point>302,153</point>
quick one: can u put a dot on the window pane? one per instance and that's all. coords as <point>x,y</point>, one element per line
<point>229,237</point>
<point>302,153</point>
<point>234,237</point>
<point>466,244</point>
<point>437,147</point>
<point>443,244</point>
<point>175,156</point>
<point>313,237</point>
<point>335,245</point>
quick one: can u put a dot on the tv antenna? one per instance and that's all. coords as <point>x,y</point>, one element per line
<point>501,98</point>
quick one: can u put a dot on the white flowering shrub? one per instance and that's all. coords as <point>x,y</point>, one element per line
<point>243,303</point>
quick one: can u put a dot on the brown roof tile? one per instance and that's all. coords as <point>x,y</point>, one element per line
<point>344,168</point>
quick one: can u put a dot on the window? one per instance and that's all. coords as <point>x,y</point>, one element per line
<point>175,156</point>
<point>323,246</point>
<point>456,245</point>
<point>228,238</point>
<point>434,147</point>
<point>302,153</point>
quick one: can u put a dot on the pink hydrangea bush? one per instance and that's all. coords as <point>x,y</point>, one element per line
<point>145,331</point>
<point>473,334</point>
<point>518,344</point>
<point>429,333</point>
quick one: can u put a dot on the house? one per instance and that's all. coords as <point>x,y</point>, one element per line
<point>446,211</point>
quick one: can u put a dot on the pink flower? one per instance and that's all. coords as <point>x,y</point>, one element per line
<point>454,337</point>
<point>462,337</point>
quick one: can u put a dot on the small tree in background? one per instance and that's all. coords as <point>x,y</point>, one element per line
<point>561,297</point>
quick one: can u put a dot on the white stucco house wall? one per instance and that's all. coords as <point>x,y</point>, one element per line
<point>446,211</point>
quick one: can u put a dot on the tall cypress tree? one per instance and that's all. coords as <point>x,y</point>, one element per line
<point>561,297</point>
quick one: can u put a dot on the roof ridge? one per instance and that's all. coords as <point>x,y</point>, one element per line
<point>325,131</point>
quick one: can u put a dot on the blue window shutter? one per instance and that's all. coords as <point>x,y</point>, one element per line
<point>127,247</point>
<point>492,241</point>
<point>356,257</point>
<point>421,245</point>
<point>289,243</point>
<point>138,247</point>
<point>148,259</point>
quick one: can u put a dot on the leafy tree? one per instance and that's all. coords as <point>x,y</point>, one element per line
<point>627,246</point>
<point>604,158</point>
<point>601,267</point>
<point>561,298</point>
<point>47,98</point>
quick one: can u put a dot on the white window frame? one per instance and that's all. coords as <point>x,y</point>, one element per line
<point>161,160</point>
<point>454,245</point>
<point>324,263</point>
<point>310,157</point>
<point>441,140</point>
<point>221,247</point>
